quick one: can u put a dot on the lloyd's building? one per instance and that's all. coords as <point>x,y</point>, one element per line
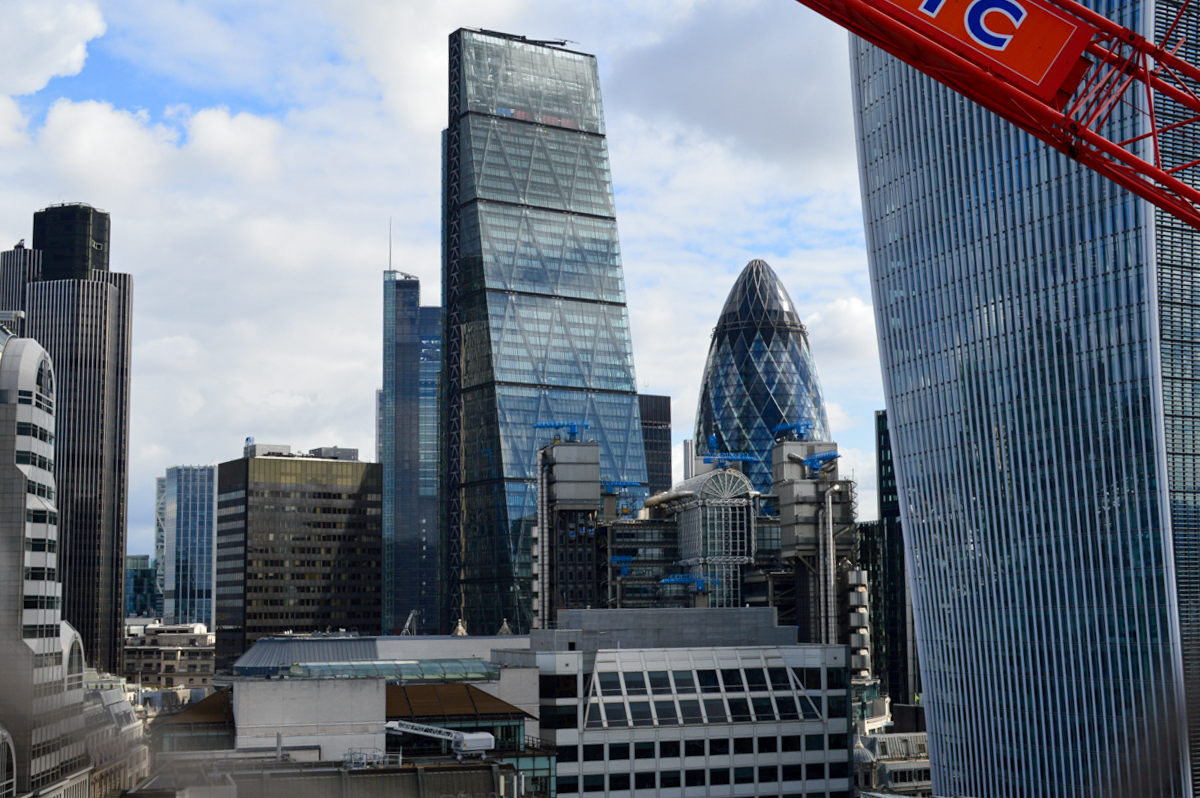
<point>1038,333</point>
<point>536,327</point>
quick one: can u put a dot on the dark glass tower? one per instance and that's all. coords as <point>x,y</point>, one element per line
<point>81,313</point>
<point>190,545</point>
<point>408,451</point>
<point>1037,331</point>
<point>656,435</point>
<point>536,326</point>
<point>760,374</point>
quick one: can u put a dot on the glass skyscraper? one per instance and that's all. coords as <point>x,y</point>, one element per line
<point>760,374</point>
<point>407,424</point>
<point>189,544</point>
<point>1037,331</point>
<point>536,326</point>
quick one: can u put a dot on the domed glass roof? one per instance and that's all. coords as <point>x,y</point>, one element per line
<point>760,373</point>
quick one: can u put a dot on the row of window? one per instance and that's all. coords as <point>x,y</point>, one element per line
<point>41,517</point>
<point>34,459</point>
<point>39,574</point>
<point>667,749</point>
<point>731,680</point>
<point>41,544</point>
<point>666,779</point>
<point>38,489</point>
<point>39,401</point>
<point>34,431</point>
<point>43,602</point>
<point>759,709</point>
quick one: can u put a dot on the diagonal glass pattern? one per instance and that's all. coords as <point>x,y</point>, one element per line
<point>760,373</point>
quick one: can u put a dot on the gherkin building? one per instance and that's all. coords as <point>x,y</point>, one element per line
<point>760,374</point>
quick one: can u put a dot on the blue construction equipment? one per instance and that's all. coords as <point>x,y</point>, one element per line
<point>609,486</point>
<point>800,428</point>
<point>699,582</point>
<point>572,427</point>
<point>623,561</point>
<point>724,459</point>
<point>817,462</point>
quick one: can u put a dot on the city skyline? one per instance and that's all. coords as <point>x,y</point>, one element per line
<point>203,215</point>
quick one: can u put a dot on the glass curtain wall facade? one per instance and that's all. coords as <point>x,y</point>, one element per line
<point>1037,334</point>
<point>190,544</point>
<point>536,326</point>
<point>760,374</point>
<point>656,435</point>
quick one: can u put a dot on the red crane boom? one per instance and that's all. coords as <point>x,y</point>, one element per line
<point>1056,70</point>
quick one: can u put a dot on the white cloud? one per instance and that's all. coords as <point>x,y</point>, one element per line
<point>242,144</point>
<point>44,39</point>
<point>12,123</point>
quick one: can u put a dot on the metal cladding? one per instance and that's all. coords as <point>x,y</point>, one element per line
<point>760,374</point>
<point>536,324</point>
<point>1037,329</point>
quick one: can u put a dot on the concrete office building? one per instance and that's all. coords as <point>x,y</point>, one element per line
<point>169,654</point>
<point>690,702</point>
<point>189,544</point>
<point>41,658</point>
<point>408,450</point>
<point>299,547</point>
<point>1036,330</point>
<point>81,313</point>
<point>536,327</point>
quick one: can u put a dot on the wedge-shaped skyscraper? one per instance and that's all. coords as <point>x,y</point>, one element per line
<point>760,374</point>
<point>536,327</point>
<point>1038,335</point>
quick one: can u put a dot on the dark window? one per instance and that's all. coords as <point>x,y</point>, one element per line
<point>593,716</point>
<point>837,706</point>
<point>767,745</point>
<point>840,794</point>
<point>767,774</point>
<point>838,742</point>
<point>708,681</point>
<point>593,753</point>
<point>615,712</point>
<point>568,753</point>
<point>814,742</point>
<point>739,710</point>
<point>690,710</point>
<point>743,745</point>
<point>838,770</point>
<point>743,775</point>
<point>643,750</point>
<point>763,711</point>
<point>666,713</point>
<point>810,678</point>
<point>644,781</point>
<point>718,747</point>
<point>793,772</point>
<point>639,712</point>
<point>557,686</point>
<point>837,679</point>
<point>618,781</point>
<point>660,683</point>
<point>718,776</point>
<point>618,750</point>
<point>593,782</point>
<point>668,749</point>
<point>787,707</point>
<point>715,708</point>
<point>683,681</point>
<point>756,680</point>
<point>610,683</point>
<point>811,706</point>
<point>560,717</point>
<point>693,748</point>
<point>733,681</point>
<point>693,778</point>
<point>792,742</point>
<point>779,678</point>
<point>635,683</point>
<point>814,771</point>
<point>568,784</point>
<point>668,778</point>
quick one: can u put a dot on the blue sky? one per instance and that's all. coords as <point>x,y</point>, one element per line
<point>251,154</point>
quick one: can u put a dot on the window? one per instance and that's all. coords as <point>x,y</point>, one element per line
<point>763,709</point>
<point>645,781</point>
<point>838,742</point>
<point>683,681</point>
<point>593,716</point>
<point>568,753</point>
<point>767,745</point>
<point>558,686</point>
<point>639,713</point>
<point>668,778</point>
<point>618,781</point>
<point>837,679</point>
<point>768,774</point>
<point>618,750</point>
<point>610,683</point>
<point>643,750</point>
<point>793,772</point>
<point>593,782</point>
<point>708,681</point>
<point>593,753</point>
<point>779,678</point>
<point>814,771</point>
<point>743,775</point>
<point>690,710</point>
<point>693,778</point>
<point>693,748</point>
<point>787,707</point>
<point>792,742</point>
<point>814,742</point>
<point>668,749</point>
<point>839,770</point>
<point>666,713</point>
<point>718,747</point>
<point>756,680</point>
<point>635,683</point>
<point>743,745</point>
<point>739,710</point>
<point>567,784</point>
<point>561,717</point>
<point>810,678</point>
<point>615,712</point>
<point>660,683</point>
<point>715,708</point>
<point>733,681</point>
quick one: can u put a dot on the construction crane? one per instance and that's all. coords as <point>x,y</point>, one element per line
<point>1058,71</point>
<point>725,459</point>
<point>410,625</point>
<point>461,743</point>
<point>700,583</point>
<point>572,427</point>
<point>800,429</point>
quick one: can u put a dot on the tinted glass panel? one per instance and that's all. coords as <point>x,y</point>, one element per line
<point>733,681</point>
<point>666,713</point>
<point>763,709</point>
<point>756,680</point>
<point>683,681</point>
<point>779,678</point>
<point>739,710</point>
<point>787,707</point>
<point>690,710</point>
<point>708,681</point>
<point>639,712</point>
<point>715,709</point>
<point>660,683</point>
<point>610,683</point>
<point>635,683</point>
<point>615,712</point>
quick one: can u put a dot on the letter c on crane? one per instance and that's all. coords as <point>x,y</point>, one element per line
<point>976,21</point>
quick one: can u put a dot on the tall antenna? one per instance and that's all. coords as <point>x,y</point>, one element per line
<point>389,243</point>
